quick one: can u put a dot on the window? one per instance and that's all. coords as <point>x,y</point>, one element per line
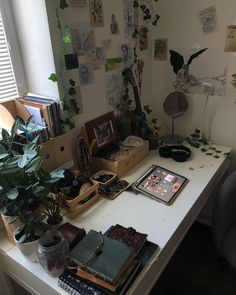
<point>12,78</point>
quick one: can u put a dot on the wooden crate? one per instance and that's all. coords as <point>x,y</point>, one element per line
<point>125,163</point>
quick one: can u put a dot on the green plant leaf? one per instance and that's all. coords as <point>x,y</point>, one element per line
<point>72,82</point>
<point>147,109</point>
<point>13,194</point>
<point>53,77</point>
<point>22,161</point>
<point>135,4</point>
<point>3,152</point>
<point>30,154</point>
<point>63,4</point>
<point>14,128</point>
<point>67,39</point>
<point>34,164</point>
<point>29,120</point>
<point>6,136</point>
<point>154,121</point>
<point>72,91</point>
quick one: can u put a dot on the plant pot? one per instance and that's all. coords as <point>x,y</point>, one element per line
<point>28,250</point>
<point>153,141</point>
<point>10,227</point>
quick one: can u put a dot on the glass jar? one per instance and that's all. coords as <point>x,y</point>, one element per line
<point>51,253</point>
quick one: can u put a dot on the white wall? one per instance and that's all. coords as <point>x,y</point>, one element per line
<point>180,24</point>
<point>36,47</point>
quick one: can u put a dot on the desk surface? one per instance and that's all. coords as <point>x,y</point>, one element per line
<point>165,225</point>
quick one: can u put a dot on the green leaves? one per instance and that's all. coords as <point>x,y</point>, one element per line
<point>147,109</point>
<point>67,39</point>
<point>34,165</point>
<point>53,77</point>
<point>3,152</point>
<point>12,194</point>
<point>63,4</point>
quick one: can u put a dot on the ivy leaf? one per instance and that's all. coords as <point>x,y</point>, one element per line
<point>53,77</point>
<point>70,124</point>
<point>63,4</point>
<point>12,194</point>
<point>147,109</point>
<point>67,39</point>
<point>72,91</point>
<point>135,4</point>
<point>72,82</point>
<point>154,121</point>
<point>143,7</point>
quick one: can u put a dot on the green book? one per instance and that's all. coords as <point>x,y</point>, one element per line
<point>111,260</point>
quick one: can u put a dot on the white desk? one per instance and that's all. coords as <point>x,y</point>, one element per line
<point>165,225</point>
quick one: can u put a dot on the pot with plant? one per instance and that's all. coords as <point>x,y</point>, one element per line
<point>52,205</point>
<point>27,236</point>
<point>23,182</point>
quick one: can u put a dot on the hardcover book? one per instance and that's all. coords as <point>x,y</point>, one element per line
<point>109,263</point>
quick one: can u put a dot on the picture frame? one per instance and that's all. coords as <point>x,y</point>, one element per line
<point>102,131</point>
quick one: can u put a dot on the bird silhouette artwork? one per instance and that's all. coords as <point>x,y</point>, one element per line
<point>184,79</point>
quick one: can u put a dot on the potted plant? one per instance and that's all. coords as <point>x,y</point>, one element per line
<point>27,236</point>
<point>52,205</point>
<point>23,182</point>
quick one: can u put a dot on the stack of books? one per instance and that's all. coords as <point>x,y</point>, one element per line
<point>106,264</point>
<point>45,111</point>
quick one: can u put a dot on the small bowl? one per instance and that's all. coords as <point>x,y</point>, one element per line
<point>95,177</point>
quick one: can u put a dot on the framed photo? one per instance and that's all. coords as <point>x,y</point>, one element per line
<point>102,130</point>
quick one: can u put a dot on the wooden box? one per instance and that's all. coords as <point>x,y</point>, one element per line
<point>124,163</point>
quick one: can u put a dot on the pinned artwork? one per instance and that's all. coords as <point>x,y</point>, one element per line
<point>114,25</point>
<point>126,53</point>
<point>160,49</point>
<point>130,18</point>
<point>107,44</point>
<point>101,55</point>
<point>91,57</point>
<point>78,3</point>
<point>114,81</point>
<point>96,13</point>
<point>208,20</point>
<point>230,40</point>
<point>143,38</point>
<point>202,71</point>
<point>82,38</point>
<point>71,61</point>
<point>113,64</point>
<point>86,75</point>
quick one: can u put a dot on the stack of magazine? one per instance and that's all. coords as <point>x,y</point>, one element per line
<point>45,111</point>
<point>107,264</point>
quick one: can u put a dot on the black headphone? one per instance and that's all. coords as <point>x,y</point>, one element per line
<point>179,153</point>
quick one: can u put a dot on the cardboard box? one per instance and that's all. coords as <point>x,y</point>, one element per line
<point>121,166</point>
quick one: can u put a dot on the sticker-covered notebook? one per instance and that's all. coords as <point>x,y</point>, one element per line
<point>111,261</point>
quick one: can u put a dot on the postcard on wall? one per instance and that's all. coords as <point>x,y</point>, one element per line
<point>113,64</point>
<point>78,3</point>
<point>125,52</point>
<point>86,75</point>
<point>128,18</point>
<point>114,25</point>
<point>208,20</point>
<point>82,38</point>
<point>114,82</point>
<point>107,44</point>
<point>160,49</point>
<point>91,57</point>
<point>230,39</point>
<point>96,13</point>
<point>143,38</point>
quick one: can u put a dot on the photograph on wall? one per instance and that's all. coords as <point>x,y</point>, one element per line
<point>86,75</point>
<point>202,71</point>
<point>96,13</point>
<point>208,20</point>
<point>114,25</point>
<point>160,49</point>
<point>107,44</point>
<point>101,55</point>
<point>91,58</point>
<point>230,39</point>
<point>78,3</point>
<point>71,61</point>
<point>114,83</point>
<point>131,17</point>
<point>82,38</point>
<point>104,133</point>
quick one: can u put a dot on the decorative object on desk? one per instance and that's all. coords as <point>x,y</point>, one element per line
<point>198,141</point>
<point>23,182</point>
<point>128,236</point>
<point>27,236</point>
<point>175,105</point>
<point>72,234</point>
<point>113,189</point>
<point>104,177</point>
<point>103,129</point>
<point>179,153</point>
<point>52,250</point>
<point>101,257</point>
<point>160,184</point>
<point>84,153</point>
